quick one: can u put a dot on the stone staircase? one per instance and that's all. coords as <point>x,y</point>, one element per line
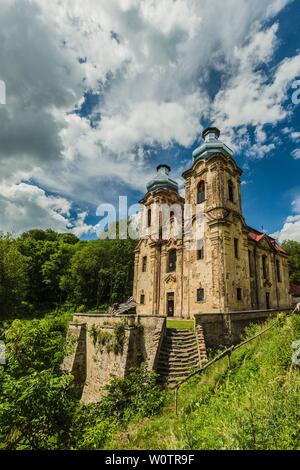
<point>180,355</point>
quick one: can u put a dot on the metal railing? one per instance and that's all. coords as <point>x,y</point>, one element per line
<point>226,353</point>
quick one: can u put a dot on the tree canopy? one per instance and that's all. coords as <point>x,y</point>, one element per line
<point>41,269</point>
<point>293,250</point>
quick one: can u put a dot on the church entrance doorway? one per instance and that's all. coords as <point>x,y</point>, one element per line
<point>170,304</point>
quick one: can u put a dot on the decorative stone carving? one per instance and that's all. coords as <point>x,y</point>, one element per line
<point>170,278</point>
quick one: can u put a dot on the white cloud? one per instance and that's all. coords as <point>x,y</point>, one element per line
<point>291,227</point>
<point>149,64</point>
<point>296,205</point>
<point>25,206</point>
<point>289,231</point>
<point>251,99</point>
<point>152,123</point>
<point>295,136</point>
<point>292,134</point>
<point>296,154</point>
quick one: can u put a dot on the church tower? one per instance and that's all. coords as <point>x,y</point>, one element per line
<point>214,182</point>
<point>158,256</point>
<point>197,255</point>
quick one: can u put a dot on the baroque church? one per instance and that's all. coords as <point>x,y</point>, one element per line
<point>234,267</point>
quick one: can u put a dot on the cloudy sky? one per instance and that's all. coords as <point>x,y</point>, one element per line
<point>99,92</point>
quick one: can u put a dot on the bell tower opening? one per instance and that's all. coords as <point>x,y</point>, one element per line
<point>201,192</point>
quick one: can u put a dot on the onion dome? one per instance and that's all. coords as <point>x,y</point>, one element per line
<point>211,145</point>
<point>162,180</point>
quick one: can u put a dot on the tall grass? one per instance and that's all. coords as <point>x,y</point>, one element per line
<point>254,405</point>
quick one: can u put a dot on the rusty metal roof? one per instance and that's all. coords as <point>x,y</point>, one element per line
<point>118,309</point>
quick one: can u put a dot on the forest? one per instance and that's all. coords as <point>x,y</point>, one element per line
<point>44,270</point>
<point>44,277</point>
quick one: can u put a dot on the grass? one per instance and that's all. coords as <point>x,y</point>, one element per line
<point>180,324</point>
<point>254,405</point>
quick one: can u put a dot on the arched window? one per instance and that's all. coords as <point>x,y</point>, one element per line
<point>278,271</point>
<point>200,253</point>
<point>172,261</point>
<point>265,267</point>
<point>149,218</point>
<point>230,191</point>
<point>201,192</point>
<point>144,268</point>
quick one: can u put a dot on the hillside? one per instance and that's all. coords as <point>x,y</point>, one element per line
<point>254,405</point>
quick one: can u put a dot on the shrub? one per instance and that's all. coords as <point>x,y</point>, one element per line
<point>138,395</point>
<point>110,341</point>
<point>35,345</point>
<point>36,411</point>
<point>126,399</point>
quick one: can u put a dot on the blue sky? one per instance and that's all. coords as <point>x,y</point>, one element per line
<point>99,94</point>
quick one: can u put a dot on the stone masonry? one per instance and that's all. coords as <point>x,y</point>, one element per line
<point>237,269</point>
<point>93,366</point>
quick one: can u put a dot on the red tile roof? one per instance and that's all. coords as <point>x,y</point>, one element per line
<point>294,289</point>
<point>257,236</point>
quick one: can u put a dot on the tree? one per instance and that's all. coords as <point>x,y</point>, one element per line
<point>50,256</point>
<point>13,277</point>
<point>55,268</point>
<point>101,272</point>
<point>293,250</point>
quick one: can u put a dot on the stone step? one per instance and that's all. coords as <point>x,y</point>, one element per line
<point>179,333</point>
<point>178,360</point>
<point>171,367</point>
<point>179,354</point>
<point>175,364</point>
<point>175,331</point>
<point>177,373</point>
<point>180,337</point>
<point>182,344</point>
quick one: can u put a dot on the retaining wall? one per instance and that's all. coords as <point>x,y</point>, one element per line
<point>226,329</point>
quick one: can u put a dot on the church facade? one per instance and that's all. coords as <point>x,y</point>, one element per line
<point>186,263</point>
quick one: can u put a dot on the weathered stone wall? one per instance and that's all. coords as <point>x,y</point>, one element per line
<point>93,365</point>
<point>76,361</point>
<point>225,329</point>
<point>151,337</point>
